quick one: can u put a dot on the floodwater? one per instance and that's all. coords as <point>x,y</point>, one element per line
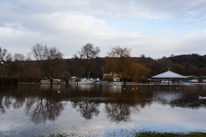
<point>100,110</point>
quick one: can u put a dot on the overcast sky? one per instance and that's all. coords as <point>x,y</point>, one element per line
<point>155,28</point>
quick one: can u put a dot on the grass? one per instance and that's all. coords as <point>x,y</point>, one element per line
<point>168,134</point>
<point>57,135</point>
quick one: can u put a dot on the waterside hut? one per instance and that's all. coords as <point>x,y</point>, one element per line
<point>73,79</point>
<point>169,75</point>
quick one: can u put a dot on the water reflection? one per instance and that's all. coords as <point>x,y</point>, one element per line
<point>2,109</point>
<point>46,107</point>
<point>86,107</point>
<point>122,104</point>
<point>184,97</point>
<point>45,103</point>
<point>118,111</point>
<point>40,105</point>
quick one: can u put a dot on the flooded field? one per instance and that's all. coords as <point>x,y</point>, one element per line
<point>100,110</point>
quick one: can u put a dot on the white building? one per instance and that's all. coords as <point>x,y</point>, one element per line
<point>116,77</point>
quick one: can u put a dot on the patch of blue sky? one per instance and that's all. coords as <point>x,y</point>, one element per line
<point>158,27</point>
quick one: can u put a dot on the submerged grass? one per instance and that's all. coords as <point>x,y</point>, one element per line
<point>168,134</point>
<point>145,134</point>
<point>57,135</point>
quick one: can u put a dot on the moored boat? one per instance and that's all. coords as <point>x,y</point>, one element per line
<point>55,81</point>
<point>85,82</point>
<point>194,81</point>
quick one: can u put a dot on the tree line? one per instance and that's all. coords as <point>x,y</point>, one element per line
<point>43,61</point>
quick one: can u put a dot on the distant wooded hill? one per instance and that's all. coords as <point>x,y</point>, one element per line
<point>191,64</point>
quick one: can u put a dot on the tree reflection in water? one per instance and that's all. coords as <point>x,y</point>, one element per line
<point>40,105</point>
<point>45,107</point>
<point>119,108</point>
<point>85,101</point>
<point>86,107</point>
<point>2,109</point>
<point>118,111</point>
<point>19,102</point>
<point>120,105</point>
<point>45,104</point>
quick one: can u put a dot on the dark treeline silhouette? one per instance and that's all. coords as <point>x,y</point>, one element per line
<point>191,64</point>
<point>27,71</point>
<point>78,67</point>
<point>49,62</point>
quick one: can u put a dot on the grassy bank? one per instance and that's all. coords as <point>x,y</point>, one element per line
<point>157,134</point>
<point>145,134</point>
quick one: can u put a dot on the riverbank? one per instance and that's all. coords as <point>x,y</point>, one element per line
<point>167,134</point>
<point>127,83</point>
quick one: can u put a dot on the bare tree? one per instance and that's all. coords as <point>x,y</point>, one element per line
<point>119,52</point>
<point>5,55</point>
<point>18,57</point>
<point>88,52</point>
<point>118,62</point>
<point>49,61</point>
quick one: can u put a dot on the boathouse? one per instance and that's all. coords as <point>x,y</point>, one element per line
<point>169,75</point>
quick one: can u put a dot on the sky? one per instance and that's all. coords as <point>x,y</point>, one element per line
<point>155,28</point>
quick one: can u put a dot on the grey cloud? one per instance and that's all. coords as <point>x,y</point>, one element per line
<point>42,22</point>
<point>180,9</point>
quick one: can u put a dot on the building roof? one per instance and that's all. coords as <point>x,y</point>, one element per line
<point>74,77</point>
<point>169,74</point>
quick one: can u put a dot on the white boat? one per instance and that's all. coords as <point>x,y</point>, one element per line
<point>85,82</point>
<point>201,97</point>
<point>204,80</point>
<point>194,81</point>
<point>166,81</point>
<point>55,81</point>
